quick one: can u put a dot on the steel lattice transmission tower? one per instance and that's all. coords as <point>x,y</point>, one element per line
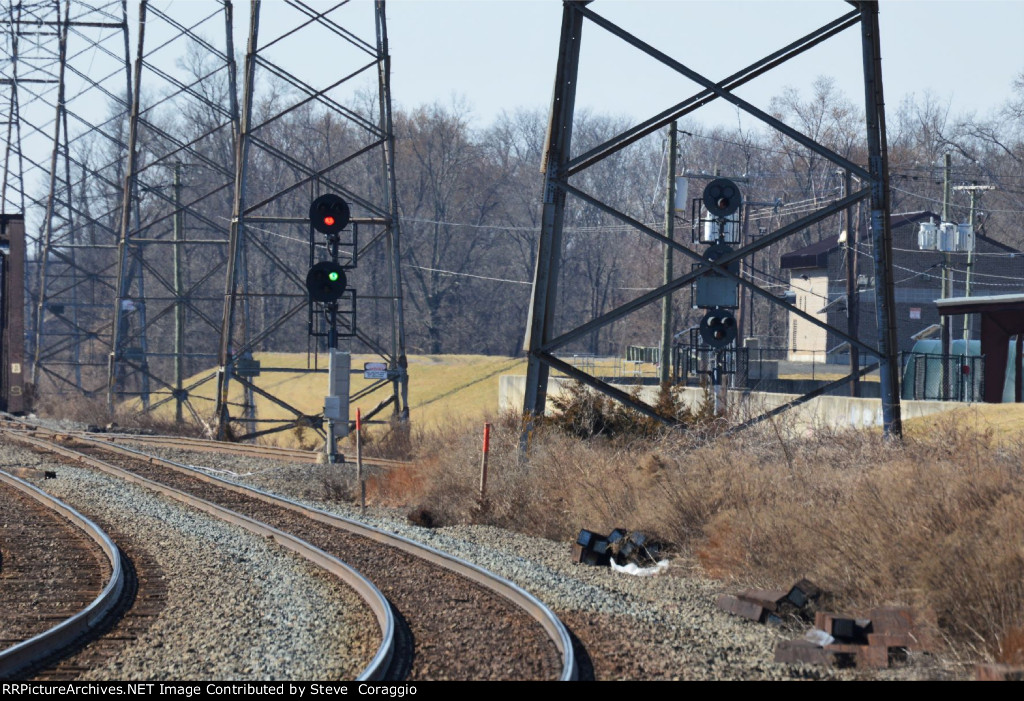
<point>565,185</point>
<point>173,234</point>
<point>316,119</point>
<point>67,82</point>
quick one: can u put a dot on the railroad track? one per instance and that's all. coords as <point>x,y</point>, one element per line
<point>206,445</point>
<point>57,566</point>
<point>452,620</point>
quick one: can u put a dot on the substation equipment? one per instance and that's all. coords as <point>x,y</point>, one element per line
<point>563,167</point>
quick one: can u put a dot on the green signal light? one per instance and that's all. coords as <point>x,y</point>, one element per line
<point>325,282</point>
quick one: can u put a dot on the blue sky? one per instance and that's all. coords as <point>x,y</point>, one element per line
<point>501,54</point>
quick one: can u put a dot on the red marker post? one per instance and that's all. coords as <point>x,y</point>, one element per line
<point>483,463</point>
<point>359,460</point>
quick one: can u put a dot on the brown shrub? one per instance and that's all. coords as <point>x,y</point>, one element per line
<point>395,442</point>
<point>1011,646</point>
<point>935,521</point>
<point>584,413</point>
<point>401,484</point>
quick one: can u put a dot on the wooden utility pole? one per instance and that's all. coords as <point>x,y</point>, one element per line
<point>665,356</point>
<point>947,177</point>
<point>973,188</point>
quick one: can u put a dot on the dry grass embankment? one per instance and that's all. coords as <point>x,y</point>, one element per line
<point>442,388</point>
<point>937,521</point>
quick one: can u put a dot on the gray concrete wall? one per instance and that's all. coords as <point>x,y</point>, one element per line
<point>821,411</point>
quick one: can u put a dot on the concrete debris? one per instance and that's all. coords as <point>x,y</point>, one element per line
<point>741,607</point>
<point>622,546</point>
<point>803,593</point>
<point>801,652</point>
<point>844,628</point>
<point>591,549</point>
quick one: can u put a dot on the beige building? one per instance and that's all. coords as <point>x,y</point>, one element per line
<point>808,290</point>
<point>806,340</point>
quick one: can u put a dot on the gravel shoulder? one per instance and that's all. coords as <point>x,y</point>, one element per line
<point>664,627</point>
<point>238,607</point>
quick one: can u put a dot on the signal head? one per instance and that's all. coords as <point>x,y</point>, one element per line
<point>325,282</point>
<point>718,328</point>
<point>329,214</point>
<point>722,197</point>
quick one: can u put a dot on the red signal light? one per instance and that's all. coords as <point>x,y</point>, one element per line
<point>329,214</point>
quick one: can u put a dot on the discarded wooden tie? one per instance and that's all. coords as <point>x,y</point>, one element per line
<point>873,639</point>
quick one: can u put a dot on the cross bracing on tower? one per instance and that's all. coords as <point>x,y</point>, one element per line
<point>172,253</point>
<point>65,73</point>
<point>304,135</point>
<point>132,258</point>
<point>549,333</point>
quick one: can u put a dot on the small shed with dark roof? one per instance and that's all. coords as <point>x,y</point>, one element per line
<point>813,256</point>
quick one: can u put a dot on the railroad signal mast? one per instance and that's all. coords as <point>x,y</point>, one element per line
<point>276,275</point>
<point>562,166</point>
<point>716,224</point>
<point>326,284</point>
<point>326,280</point>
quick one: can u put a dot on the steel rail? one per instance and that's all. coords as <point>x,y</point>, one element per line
<point>204,444</point>
<point>201,444</point>
<point>554,628</point>
<point>29,652</point>
<point>376,601</point>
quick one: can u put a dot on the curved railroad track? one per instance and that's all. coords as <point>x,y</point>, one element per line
<point>453,620</point>
<point>381,609</point>
<point>57,565</point>
<point>206,445</point>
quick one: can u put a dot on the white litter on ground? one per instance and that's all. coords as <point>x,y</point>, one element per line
<point>818,637</point>
<point>633,569</point>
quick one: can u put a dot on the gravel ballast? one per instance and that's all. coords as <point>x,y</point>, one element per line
<point>238,607</point>
<point>664,627</point>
